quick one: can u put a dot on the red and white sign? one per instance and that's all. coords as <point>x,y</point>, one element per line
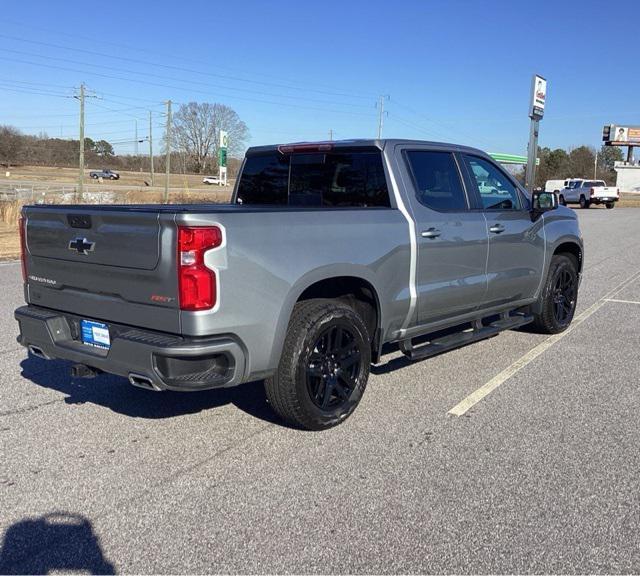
<point>538,97</point>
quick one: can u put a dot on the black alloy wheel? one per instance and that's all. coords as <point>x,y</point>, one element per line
<point>324,365</point>
<point>333,367</point>
<point>564,297</point>
<point>556,305</point>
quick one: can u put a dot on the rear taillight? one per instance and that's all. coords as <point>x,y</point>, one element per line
<point>197,283</point>
<point>22,223</point>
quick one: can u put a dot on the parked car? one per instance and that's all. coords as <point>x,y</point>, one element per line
<point>587,192</point>
<point>105,174</point>
<point>327,252</point>
<point>211,180</point>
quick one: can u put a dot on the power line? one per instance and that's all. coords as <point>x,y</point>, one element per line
<point>174,79</point>
<point>111,76</point>
<point>33,92</point>
<point>296,83</point>
<point>442,124</point>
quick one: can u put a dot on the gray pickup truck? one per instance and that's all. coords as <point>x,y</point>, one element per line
<point>327,252</point>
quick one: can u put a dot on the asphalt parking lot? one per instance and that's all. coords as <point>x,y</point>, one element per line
<point>542,474</point>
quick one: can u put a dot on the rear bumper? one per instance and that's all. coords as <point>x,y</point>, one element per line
<point>603,199</point>
<point>150,359</point>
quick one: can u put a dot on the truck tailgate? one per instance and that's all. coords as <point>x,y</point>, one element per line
<point>116,264</point>
<point>605,192</point>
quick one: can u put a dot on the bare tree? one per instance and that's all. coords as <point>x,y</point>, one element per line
<point>197,130</point>
<point>11,143</point>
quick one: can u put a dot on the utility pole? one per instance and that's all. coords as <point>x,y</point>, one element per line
<point>81,163</point>
<point>151,144</point>
<point>595,166</point>
<point>330,134</point>
<point>168,159</point>
<point>135,148</point>
<point>381,113</point>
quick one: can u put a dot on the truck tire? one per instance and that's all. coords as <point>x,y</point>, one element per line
<point>324,366</point>
<point>584,203</point>
<point>558,297</point>
<point>94,176</point>
<point>610,205</point>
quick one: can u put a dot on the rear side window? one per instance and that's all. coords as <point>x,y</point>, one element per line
<point>264,180</point>
<point>341,179</point>
<point>437,180</point>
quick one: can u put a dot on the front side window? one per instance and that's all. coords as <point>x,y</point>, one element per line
<point>496,191</point>
<point>437,180</point>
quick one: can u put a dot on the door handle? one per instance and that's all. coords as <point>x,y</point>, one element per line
<point>430,233</point>
<point>497,228</point>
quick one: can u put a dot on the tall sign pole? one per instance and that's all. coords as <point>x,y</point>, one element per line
<point>223,143</point>
<point>536,112</point>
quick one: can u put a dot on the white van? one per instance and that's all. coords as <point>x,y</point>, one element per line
<point>557,185</point>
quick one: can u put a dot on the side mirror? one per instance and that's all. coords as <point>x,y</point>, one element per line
<point>543,201</point>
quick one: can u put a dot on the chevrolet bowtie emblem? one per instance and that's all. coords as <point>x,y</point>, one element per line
<point>81,245</point>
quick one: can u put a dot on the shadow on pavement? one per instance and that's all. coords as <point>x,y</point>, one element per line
<point>54,542</point>
<point>117,394</point>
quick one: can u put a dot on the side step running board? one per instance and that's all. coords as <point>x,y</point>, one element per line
<point>452,341</point>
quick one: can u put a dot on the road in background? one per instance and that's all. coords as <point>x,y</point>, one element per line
<point>539,476</point>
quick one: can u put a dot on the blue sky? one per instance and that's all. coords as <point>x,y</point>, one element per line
<point>456,71</point>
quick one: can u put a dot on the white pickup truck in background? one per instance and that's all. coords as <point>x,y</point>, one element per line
<point>587,192</point>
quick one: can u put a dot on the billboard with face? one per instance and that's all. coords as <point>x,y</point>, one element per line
<point>622,135</point>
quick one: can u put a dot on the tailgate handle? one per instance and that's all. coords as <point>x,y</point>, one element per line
<point>79,220</point>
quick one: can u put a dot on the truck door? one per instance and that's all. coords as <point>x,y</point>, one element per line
<point>451,239</point>
<point>516,244</point>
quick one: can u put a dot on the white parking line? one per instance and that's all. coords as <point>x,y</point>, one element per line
<point>475,397</point>
<point>623,301</point>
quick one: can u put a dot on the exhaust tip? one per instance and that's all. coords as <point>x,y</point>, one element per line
<point>38,352</point>
<point>142,382</point>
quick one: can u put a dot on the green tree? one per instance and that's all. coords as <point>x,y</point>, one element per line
<point>554,165</point>
<point>609,155</point>
<point>582,162</point>
<point>103,148</point>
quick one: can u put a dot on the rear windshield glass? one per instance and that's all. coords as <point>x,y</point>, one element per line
<point>336,179</point>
